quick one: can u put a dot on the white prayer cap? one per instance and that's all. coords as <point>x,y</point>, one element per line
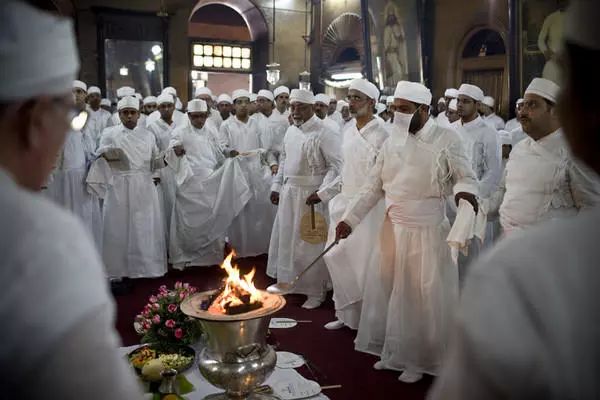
<point>79,85</point>
<point>322,98</point>
<point>253,97</point>
<point>239,93</point>
<point>266,94</point>
<point>213,97</point>
<point>380,108</point>
<point>581,23</point>
<point>451,92</point>
<point>441,100</point>
<point>149,100</point>
<point>302,96</point>
<point>94,89</point>
<point>453,106</point>
<point>544,88</point>
<point>105,102</point>
<point>281,89</point>
<point>201,91</point>
<point>413,91</point>
<point>38,54</point>
<point>471,91</point>
<point>138,96</point>
<point>178,105</point>
<point>488,101</point>
<point>366,87</point>
<point>389,100</point>
<point>128,102</point>
<point>165,98</point>
<point>519,101</point>
<point>505,137</point>
<point>125,91</point>
<point>170,90</point>
<point>340,105</point>
<point>224,98</point>
<point>197,105</point>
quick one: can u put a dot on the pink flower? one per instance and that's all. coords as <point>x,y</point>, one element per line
<point>178,333</point>
<point>178,285</point>
<point>146,325</point>
<point>156,319</point>
<point>153,299</point>
<point>172,308</point>
<point>182,295</point>
<point>156,306</point>
<point>186,285</point>
<point>170,323</point>
<point>162,288</point>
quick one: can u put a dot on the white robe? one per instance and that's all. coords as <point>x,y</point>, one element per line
<point>98,121</point>
<point>310,161</point>
<point>517,135</point>
<point>334,126</point>
<point>542,181</point>
<point>442,120</point>
<point>67,185</point>
<point>250,232</point>
<point>494,121</point>
<point>143,121</point>
<point>207,199</point>
<point>215,118</point>
<point>528,322</point>
<point>512,124</point>
<point>178,117</point>
<point>59,339</point>
<point>419,283</point>
<point>272,130</point>
<point>336,117</point>
<point>351,262</point>
<point>134,240</point>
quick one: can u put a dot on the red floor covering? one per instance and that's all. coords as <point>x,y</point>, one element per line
<point>331,354</point>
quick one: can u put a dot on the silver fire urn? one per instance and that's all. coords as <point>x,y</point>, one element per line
<point>236,357</point>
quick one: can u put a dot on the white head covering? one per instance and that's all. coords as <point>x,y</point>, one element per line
<point>94,89</point>
<point>80,85</point>
<point>488,101</point>
<point>366,87</point>
<point>441,100</point>
<point>213,97</point>
<point>380,108</point>
<point>322,98</point>
<point>266,94</point>
<point>125,91</point>
<point>170,90</point>
<point>224,98</point>
<point>178,105</point>
<point>505,137</point>
<point>544,88</point>
<point>105,102</point>
<point>581,23</point>
<point>389,100</point>
<point>253,97</point>
<point>472,91</point>
<point>519,101</point>
<point>281,89</point>
<point>128,102</point>
<point>340,105</point>
<point>413,91</point>
<point>302,96</point>
<point>38,54</point>
<point>453,105</point>
<point>201,91</point>
<point>239,93</point>
<point>149,100</point>
<point>164,98</point>
<point>197,105</point>
<point>451,92</point>
<point>138,96</point>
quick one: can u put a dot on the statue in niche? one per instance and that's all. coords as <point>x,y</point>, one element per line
<point>394,45</point>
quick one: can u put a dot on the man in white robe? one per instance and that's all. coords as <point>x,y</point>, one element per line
<point>514,123</point>
<point>489,115</point>
<point>224,105</point>
<point>134,239</point>
<point>417,167</point>
<point>97,117</point>
<point>310,160</point>
<point>179,117</point>
<point>528,323</point>
<point>58,340</point>
<point>121,92</point>
<point>451,113</point>
<point>351,263</point>
<point>333,113</point>
<point>494,229</point>
<point>440,107</point>
<point>215,119</point>
<point>150,105</point>
<point>321,108</point>
<point>542,180</point>
<point>240,136</point>
<point>442,119</point>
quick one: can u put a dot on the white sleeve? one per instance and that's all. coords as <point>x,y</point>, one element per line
<point>278,178</point>
<point>463,177</point>
<point>330,149</point>
<point>489,181</point>
<point>584,184</point>
<point>223,139</point>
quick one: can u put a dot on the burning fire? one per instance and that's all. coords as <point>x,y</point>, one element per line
<point>238,294</point>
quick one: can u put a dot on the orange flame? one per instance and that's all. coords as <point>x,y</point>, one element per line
<point>235,285</point>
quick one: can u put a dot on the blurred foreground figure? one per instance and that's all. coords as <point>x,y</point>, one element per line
<point>59,341</point>
<point>529,326</point>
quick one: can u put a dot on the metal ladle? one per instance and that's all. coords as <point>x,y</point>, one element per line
<point>287,287</point>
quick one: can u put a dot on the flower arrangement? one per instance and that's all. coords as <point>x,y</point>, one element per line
<point>162,321</point>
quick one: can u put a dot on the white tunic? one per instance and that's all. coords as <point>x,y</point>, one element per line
<point>494,121</point>
<point>518,135</point>
<point>442,120</point>
<point>542,181</point>
<point>351,263</point>
<point>334,126</point>
<point>419,284</point>
<point>134,240</point>
<point>528,323</point>
<point>215,118</point>
<point>178,117</point>
<point>59,339</point>
<point>310,160</point>
<point>250,232</point>
<point>272,129</point>
<point>98,121</point>
<point>143,121</point>
<point>512,124</point>
<point>336,117</point>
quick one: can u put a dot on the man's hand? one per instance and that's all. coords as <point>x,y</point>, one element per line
<point>470,197</point>
<point>234,153</point>
<point>179,150</point>
<point>274,169</point>
<point>156,181</point>
<point>313,199</point>
<point>275,198</point>
<point>342,231</point>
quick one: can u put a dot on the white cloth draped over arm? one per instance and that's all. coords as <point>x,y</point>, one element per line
<point>497,197</point>
<point>330,149</point>
<point>158,158</point>
<point>180,165</point>
<point>331,190</point>
<point>491,176</point>
<point>223,139</point>
<point>584,184</point>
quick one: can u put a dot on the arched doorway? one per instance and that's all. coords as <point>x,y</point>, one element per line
<point>483,62</point>
<point>228,46</point>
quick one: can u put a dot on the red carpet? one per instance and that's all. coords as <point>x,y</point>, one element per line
<point>331,354</point>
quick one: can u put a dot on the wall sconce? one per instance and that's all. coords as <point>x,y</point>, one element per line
<point>124,71</point>
<point>273,73</point>
<point>156,49</point>
<point>304,80</point>
<point>150,65</point>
